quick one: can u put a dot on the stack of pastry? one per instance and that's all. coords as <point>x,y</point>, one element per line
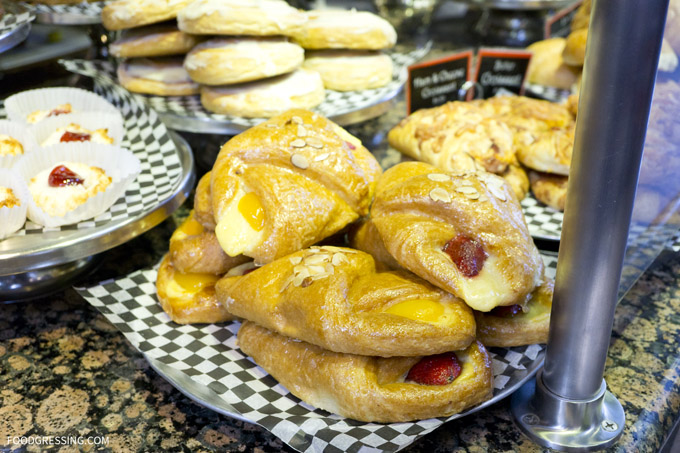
<point>496,135</point>
<point>151,45</point>
<point>335,325</point>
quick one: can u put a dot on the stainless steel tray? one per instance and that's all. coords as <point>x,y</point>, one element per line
<point>15,25</point>
<point>522,5</point>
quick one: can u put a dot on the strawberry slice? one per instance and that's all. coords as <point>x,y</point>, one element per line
<point>467,253</point>
<point>440,369</point>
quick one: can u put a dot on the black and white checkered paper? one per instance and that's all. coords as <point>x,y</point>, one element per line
<point>147,137</point>
<point>334,105</point>
<point>543,221</point>
<point>674,243</point>
<point>16,15</point>
<point>208,356</point>
<point>545,92</point>
<point>72,14</point>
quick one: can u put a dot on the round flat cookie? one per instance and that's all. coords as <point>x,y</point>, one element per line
<point>123,14</point>
<point>153,41</point>
<point>159,76</point>
<point>348,70</point>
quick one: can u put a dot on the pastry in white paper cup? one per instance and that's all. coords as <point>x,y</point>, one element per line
<point>33,106</point>
<point>14,198</point>
<point>16,140</point>
<point>69,184</point>
<point>92,127</point>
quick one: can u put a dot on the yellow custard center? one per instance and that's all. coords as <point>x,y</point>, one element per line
<point>418,309</point>
<point>191,227</point>
<point>194,282</point>
<point>251,209</point>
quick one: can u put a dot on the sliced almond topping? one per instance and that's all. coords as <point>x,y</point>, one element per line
<point>316,259</point>
<point>330,269</point>
<point>287,283</point>
<point>295,260</point>
<point>440,177</point>
<point>298,143</point>
<point>483,198</point>
<point>497,192</point>
<point>316,269</point>
<point>299,161</point>
<point>466,182</point>
<point>321,157</point>
<point>472,196</point>
<point>439,194</point>
<point>467,190</point>
<point>319,276</point>
<point>301,131</point>
<point>298,279</point>
<point>297,120</point>
<point>339,259</point>
<point>315,142</point>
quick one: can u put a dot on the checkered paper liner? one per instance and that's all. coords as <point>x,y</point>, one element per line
<point>335,104</point>
<point>15,16</point>
<point>85,12</point>
<point>543,221</point>
<point>545,92</point>
<point>674,243</point>
<point>147,137</point>
<point>208,355</point>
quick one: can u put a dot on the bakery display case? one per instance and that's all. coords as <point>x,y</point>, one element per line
<point>264,243</point>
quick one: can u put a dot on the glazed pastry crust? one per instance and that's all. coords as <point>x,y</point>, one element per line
<point>155,87</point>
<point>203,203</point>
<point>548,68</point>
<point>364,388</point>
<point>332,297</point>
<point>365,237</point>
<point>185,307</point>
<point>345,70</point>
<point>301,89</point>
<point>154,41</point>
<point>123,14</point>
<point>550,190</point>
<point>227,61</point>
<point>200,253</point>
<point>517,179</point>
<point>574,53</point>
<point>238,17</point>
<point>418,209</point>
<point>529,327</point>
<point>342,29</point>
<point>301,205</point>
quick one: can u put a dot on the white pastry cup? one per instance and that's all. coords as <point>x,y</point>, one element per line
<point>118,163</point>
<point>88,120</point>
<point>11,219</point>
<point>20,105</point>
<point>18,131</point>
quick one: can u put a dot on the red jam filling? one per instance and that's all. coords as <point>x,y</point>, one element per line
<point>467,253</point>
<point>74,137</point>
<point>352,147</point>
<point>61,176</point>
<point>58,111</point>
<point>440,369</point>
<point>507,311</point>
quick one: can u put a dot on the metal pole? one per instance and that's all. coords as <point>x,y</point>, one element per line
<point>569,396</point>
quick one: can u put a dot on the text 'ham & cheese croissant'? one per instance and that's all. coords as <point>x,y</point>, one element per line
<point>332,297</point>
<point>373,389</point>
<point>288,183</point>
<point>463,232</point>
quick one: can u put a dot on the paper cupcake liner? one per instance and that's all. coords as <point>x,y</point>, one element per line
<point>118,163</point>
<point>20,105</point>
<point>88,120</point>
<point>11,219</point>
<point>20,132</point>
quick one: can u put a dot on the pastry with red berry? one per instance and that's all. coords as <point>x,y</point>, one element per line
<point>39,115</point>
<point>334,298</point>
<point>76,133</point>
<point>373,389</point>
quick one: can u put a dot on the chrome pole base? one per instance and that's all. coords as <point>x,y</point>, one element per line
<point>567,425</point>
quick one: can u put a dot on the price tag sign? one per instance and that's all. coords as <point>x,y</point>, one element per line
<point>558,25</point>
<point>502,69</point>
<point>436,82</point>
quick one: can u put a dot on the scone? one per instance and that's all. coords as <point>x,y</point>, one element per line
<point>550,190</point>
<point>301,89</point>
<point>153,41</point>
<point>160,76</point>
<point>76,133</point>
<point>343,29</point>
<point>189,297</point>
<point>240,17</point>
<point>373,389</point>
<point>63,187</point>
<point>122,14</point>
<point>345,70</point>
<point>237,60</point>
<point>547,66</point>
<point>10,146</point>
<point>39,115</point>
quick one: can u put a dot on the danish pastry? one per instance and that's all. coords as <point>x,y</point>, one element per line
<point>10,146</point>
<point>332,297</point>
<point>347,70</point>
<point>548,68</point>
<point>189,298</point>
<point>193,249</point>
<point>39,115</point>
<point>160,76</point>
<point>240,17</point>
<point>547,151</point>
<point>574,52</point>
<point>464,233</point>
<point>343,29</point>
<point>153,41</point>
<point>372,389</point>
<point>122,14</point>
<point>301,89</point>
<point>517,179</point>
<point>236,60</point>
<point>518,325</point>
<point>7,198</point>
<point>76,133</point>
<point>550,190</point>
<point>203,203</point>
<point>288,183</point>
